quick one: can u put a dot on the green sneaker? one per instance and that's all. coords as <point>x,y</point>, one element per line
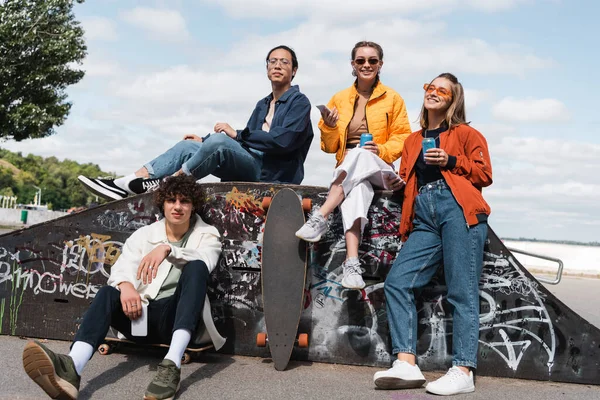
<point>54,373</point>
<point>165,384</point>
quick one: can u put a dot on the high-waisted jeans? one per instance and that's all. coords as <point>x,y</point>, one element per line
<point>440,237</point>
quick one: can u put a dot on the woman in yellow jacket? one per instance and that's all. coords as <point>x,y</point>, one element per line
<point>367,106</point>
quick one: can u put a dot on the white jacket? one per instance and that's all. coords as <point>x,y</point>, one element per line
<point>203,244</point>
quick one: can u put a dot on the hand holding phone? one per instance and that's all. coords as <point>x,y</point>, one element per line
<point>330,117</point>
<point>324,110</point>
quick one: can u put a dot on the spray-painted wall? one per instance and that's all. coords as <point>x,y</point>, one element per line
<point>50,273</point>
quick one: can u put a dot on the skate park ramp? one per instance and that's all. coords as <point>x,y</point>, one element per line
<point>49,274</point>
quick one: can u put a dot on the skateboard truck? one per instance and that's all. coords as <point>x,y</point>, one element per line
<point>306,203</point>
<point>262,339</point>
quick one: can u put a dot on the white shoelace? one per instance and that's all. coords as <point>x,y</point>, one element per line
<point>314,221</point>
<point>354,269</point>
<point>454,374</point>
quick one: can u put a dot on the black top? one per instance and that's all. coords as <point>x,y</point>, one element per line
<point>431,173</point>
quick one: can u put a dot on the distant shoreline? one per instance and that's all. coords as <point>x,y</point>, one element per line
<point>570,242</point>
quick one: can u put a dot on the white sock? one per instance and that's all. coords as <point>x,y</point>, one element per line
<point>181,339</point>
<point>123,182</point>
<point>81,352</point>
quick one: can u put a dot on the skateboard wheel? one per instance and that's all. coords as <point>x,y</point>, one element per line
<point>186,358</point>
<point>104,349</point>
<point>303,340</point>
<point>266,202</point>
<point>261,339</point>
<point>306,205</point>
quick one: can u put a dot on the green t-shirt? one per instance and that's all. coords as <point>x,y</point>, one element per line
<point>170,284</point>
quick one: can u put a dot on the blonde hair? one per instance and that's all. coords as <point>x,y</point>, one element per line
<point>455,114</point>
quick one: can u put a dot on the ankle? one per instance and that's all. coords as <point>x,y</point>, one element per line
<point>322,213</point>
<point>407,357</point>
<point>465,370</point>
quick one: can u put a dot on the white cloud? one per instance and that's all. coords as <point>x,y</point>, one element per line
<point>95,66</point>
<point>353,9</point>
<point>495,5</point>
<point>164,24</point>
<point>530,110</point>
<point>99,28</point>
<point>474,97</point>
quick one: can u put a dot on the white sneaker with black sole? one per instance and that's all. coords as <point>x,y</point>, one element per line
<point>402,375</point>
<point>104,188</point>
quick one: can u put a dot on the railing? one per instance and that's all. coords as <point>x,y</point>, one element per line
<point>556,260</point>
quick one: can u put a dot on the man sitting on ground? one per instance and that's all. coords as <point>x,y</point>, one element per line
<point>164,269</point>
<point>272,148</point>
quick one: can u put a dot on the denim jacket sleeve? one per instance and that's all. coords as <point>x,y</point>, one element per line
<point>282,138</point>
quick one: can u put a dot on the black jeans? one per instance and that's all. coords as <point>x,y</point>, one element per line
<point>183,310</point>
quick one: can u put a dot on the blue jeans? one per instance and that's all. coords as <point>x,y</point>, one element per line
<point>219,155</point>
<point>183,310</point>
<point>440,237</point>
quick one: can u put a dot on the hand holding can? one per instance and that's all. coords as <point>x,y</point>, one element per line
<point>428,143</point>
<point>364,138</point>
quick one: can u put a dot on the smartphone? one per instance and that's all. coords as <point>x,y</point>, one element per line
<point>139,327</point>
<point>324,109</point>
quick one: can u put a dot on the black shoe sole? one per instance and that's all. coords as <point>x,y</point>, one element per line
<point>397,383</point>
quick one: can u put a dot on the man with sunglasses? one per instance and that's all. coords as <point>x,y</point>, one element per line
<point>271,148</point>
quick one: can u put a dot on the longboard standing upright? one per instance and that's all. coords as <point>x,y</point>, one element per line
<point>283,276</point>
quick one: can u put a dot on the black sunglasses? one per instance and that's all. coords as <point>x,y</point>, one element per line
<point>361,61</point>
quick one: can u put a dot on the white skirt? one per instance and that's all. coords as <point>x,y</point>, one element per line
<point>364,171</point>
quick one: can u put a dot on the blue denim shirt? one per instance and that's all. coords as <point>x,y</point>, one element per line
<point>286,144</point>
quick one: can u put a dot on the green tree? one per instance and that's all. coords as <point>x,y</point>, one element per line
<point>58,179</point>
<point>7,180</point>
<point>40,41</point>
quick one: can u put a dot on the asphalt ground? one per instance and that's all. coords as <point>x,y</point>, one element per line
<point>126,374</point>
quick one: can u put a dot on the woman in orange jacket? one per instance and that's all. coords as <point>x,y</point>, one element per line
<point>444,222</point>
<point>367,106</point>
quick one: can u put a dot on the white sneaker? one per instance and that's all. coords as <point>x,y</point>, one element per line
<point>455,381</point>
<point>352,274</point>
<point>402,375</point>
<point>313,229</point>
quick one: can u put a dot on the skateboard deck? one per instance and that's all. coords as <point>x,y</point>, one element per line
<point>283,276</point>
<point>110,344</point>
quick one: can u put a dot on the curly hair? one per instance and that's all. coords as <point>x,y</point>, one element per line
<point>181,185</point>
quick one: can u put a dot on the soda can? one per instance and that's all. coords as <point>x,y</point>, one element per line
<point>364,138</point>
<point>428,143</point>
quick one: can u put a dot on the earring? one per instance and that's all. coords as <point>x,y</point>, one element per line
<point>353,72</point>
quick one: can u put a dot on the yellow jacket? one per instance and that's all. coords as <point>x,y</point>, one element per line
<point>387,121</point>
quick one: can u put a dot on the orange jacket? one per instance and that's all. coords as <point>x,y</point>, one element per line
<point>387,121</point>
<point>472,172</point>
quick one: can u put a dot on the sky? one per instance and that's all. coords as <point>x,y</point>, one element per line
<point>157,70</point>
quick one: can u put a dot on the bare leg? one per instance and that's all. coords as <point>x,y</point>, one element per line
<point>334,197</point>
<point>142,173</point>
<point>353,239</point>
